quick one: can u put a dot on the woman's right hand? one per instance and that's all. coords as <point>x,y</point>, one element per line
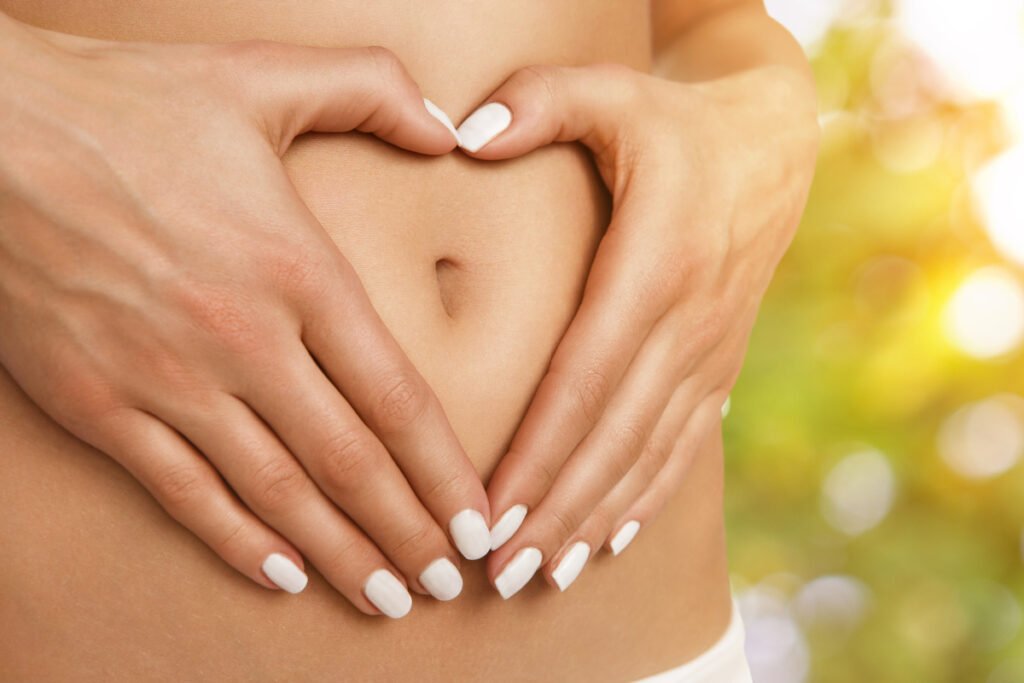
<point>167,297</point>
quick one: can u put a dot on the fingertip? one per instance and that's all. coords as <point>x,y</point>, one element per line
<point>623,537</point>
<point>508,524</point>
<point>285,572</point>
<point>482,126</point>
<point>443,118</point>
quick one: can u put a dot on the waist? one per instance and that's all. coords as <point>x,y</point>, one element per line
<point>457,255</point>
<point>476,268</point>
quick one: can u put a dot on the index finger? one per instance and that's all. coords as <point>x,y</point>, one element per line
<point>616,314</point>
<point>357,352</point>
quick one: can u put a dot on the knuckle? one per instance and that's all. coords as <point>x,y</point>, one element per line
<point>276,484</point>
<point>222,314</point>
<point>78,399</point>
<point>542,473</point>
<point>234,540</point>
<point>650,463</point>
<point>347,458</point>
<point>656,454</point>
<point>600,521</point>
<point>629,439</point>
<point>711,325</point>
<point>178,487</point>
<point>402,401</point>
<point>387,82</point>
<point>349,558</point>
<point>565,522</point>
<point>539,77</point>
<point>447,488</point>
<point>590,390</point>
<point>627,443</point>
<point>385,63</point>
<point>412,542</point>
<point>302,273</point>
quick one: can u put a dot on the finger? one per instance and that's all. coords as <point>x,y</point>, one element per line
<point>538,105</point>
<point>702,431</point>
<point>622,301</point>
<point>294,89</point>
<point>360,356</point>
<point>277,488</point>
<point>601,460</point>
<point>189,489</point>
<point>566,563</point>
<point>335,457</point>
<point>677,436</point>
<point>699,404</point>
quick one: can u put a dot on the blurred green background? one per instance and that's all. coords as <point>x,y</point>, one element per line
<point>876,499</point>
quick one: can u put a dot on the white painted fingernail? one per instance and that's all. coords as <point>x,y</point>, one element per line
<point>625,535</point>
<point>439,114</point>
<point>518,572</point>
<point>284,573</point>
<point>507,526</point>
<point>388,594</point>
<point>726,406</point>
<point>442,579</point>
<point>472,537</point>
<point>571,565</point>
<point>483,125</point>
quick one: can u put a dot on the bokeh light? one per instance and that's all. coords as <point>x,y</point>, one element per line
<point>807,21</point>
<point>775,645</point>
<point>978,46</point>
<point>999,188</point>
<point>836,602</point>
<point>984,439</point>
<point>858,492</point>
<point>895,320</point>
<point>985,317</point>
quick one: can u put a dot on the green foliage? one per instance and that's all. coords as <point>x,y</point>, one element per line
<point>849,352</point>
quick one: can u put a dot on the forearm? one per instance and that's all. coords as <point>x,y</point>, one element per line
<point>730,40</point>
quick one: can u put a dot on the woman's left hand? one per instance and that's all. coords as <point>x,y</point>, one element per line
<point>708,181</point>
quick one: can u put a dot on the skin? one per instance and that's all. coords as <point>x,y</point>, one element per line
<point>158,353</point>
<point>702,214</point>
<point>634,388</point>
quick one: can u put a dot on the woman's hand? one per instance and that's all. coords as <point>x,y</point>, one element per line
<point>708,181</point>
<point>166,296</point>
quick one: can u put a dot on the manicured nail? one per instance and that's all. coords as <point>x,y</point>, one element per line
<point>571,565</point>
<point>388,594</point>
<point>483,125</point>
<point>625,536</point>
<point>439,114</point>
<point>518,572</point>
<point>507,526</point>
<point>284,573</point>
<point>442,579</point>
<point>472,537</point>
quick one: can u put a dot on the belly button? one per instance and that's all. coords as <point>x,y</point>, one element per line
<point>448,287</point>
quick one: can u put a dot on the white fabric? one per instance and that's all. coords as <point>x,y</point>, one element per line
<point>723,662</point>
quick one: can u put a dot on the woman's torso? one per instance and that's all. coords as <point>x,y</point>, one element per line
<point>477,269</point>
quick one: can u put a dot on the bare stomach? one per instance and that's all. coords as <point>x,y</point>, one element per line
<point>476,269</point>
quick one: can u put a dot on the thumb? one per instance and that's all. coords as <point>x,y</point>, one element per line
<point>538,105</point>
<point>294,89</point>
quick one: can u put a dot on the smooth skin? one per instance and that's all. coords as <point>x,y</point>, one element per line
<point>245,329</point>
<point>200,338</point>
<point>709,164</point>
